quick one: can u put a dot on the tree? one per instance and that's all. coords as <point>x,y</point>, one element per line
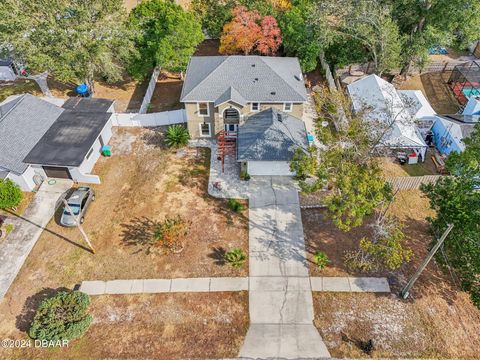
<point>75,40</point>
<point>345,165</point>
<point>368,22</point>
<point>384,249</point>
<point>10,194</point>
<point>214,15</point>
<point>301,35</point>
<point>249,31</point>
<point>167,36</point>
<point>456,200</point>
<point>62,317</point>
<point>425,23</point>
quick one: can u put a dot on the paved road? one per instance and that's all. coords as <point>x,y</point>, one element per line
<point>16,247</point>
<point>280,296</point>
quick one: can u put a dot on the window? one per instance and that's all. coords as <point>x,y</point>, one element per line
<point>205,130</point>
<point>89,153</point>
<point>287,107</point>
<point>203,109</point>
<point>255,106</point>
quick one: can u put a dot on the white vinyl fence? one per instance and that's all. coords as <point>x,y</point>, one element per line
<point>150,120</point>
<point>149,93</point>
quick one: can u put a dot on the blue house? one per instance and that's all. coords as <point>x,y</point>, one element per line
<point>449,131</point>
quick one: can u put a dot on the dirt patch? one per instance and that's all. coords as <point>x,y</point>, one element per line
<point>18,87</point>
<point>173,326</point>
<point>128,94</point>
<point>430,327</point>
<point>130,4</point>
<point>208,47</point>
<point>166,96</point>
<point>142,183</point>
<point>391,167</point>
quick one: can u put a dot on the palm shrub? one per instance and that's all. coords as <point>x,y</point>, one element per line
<point>62,317</point>
<point>171,233</point>
<point>10,194</point>
<point>320,259</point>
<point>235,257</point>
<point>176,136</point>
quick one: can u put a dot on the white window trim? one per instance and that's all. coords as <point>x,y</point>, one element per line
<point>198,109</point>
<point>209,129</point>
<point>285,107</point>
<point>252,109</point>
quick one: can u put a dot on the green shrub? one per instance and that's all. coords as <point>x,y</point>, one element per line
<point>235,205</point>
<point>320,259</point>
<point>176,136</point>
<point>62,317</point>
<point>244,175</point>
<point>235,257</point>
<point>10,194</point>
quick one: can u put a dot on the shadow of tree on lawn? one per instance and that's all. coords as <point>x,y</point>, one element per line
<point>218,254</point>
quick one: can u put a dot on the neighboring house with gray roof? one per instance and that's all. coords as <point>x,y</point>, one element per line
<point>267,141</point>
<point>39,139</point>
<point>221,92</point>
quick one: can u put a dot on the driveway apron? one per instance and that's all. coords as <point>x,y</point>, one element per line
<point>280,294</point>
<point>28,228</point>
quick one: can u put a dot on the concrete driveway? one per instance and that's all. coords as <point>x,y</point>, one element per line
<point>18,244</point>
<point>280,294</point>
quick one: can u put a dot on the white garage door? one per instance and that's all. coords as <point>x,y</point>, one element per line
<point>277,168</point>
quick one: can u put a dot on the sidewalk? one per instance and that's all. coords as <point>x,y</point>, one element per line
<point>16,247</point>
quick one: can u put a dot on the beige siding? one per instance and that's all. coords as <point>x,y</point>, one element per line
<point>215,115</point>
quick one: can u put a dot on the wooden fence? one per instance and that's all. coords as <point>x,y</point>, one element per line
<point>442,66</point>
<point>412,182</point>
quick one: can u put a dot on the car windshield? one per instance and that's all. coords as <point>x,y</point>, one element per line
<point>75,208</point>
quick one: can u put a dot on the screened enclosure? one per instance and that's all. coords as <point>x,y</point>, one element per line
<point>465,81</point>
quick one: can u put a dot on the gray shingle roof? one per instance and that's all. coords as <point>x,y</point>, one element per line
<point>264,138</point>
<point>87,104</point>
<point>231,95</point>
<point>255,78</point>
<point>22,124</point>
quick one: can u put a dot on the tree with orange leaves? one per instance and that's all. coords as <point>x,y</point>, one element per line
<point>250,32</point>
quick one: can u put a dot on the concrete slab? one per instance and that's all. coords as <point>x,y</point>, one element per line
<point>93,287</point>
<point>369,284</point>
<point>137,286</point>
<point>229,284</point>
<point>266,341</point>
<point>281,307</point>
<point>316,283</point>
<point>336,284</point>
<point>191,285</point>
<point>156,285</point>
<point>279,283</point>
<point>118,287</point>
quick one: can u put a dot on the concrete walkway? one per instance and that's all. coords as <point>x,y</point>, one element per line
<point>18,244</point>
<point>152,286</point>
<point>280,296</point>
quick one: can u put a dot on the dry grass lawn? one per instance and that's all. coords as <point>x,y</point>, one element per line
<point>18,87</point>
<point>161,326</point>
<point>166,96</point>
<point>128,94</point>
<point>141,183</point>
<point>392,168</point>
<point>438,321</point>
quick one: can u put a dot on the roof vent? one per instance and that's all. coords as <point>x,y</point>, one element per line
<point>273,93</point>
<point>253,65</point>
<point>256,79</point>
<point>279,117</point>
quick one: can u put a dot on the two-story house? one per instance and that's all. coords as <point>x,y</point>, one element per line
<point>221,92</point>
